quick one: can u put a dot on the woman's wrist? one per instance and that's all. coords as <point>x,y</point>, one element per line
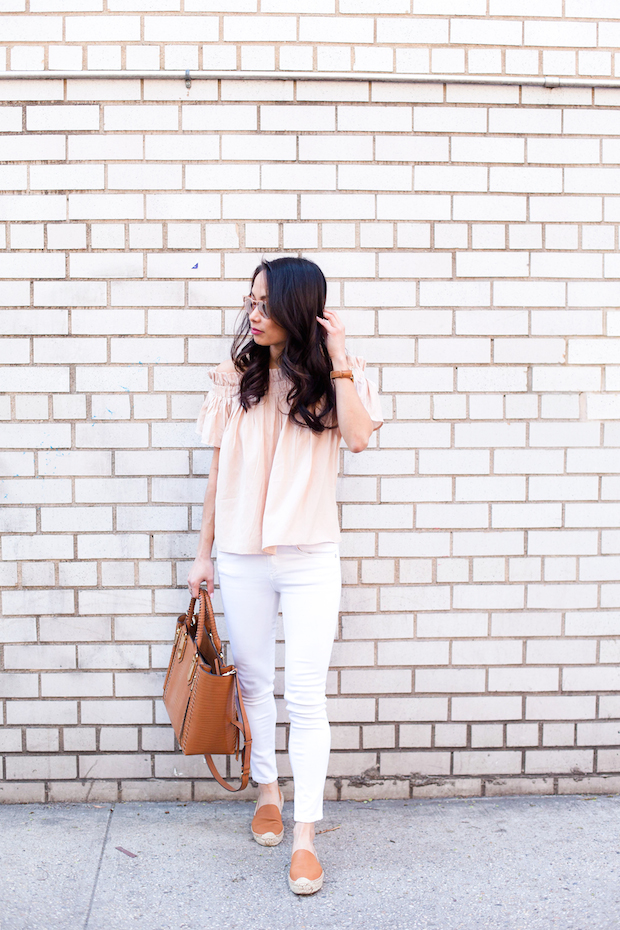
<point>204,551</point>
<point>339,362</point>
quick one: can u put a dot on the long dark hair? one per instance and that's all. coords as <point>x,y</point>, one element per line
<point>296,296</point>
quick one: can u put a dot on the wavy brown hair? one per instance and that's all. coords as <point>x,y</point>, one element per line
<point>296,296</point>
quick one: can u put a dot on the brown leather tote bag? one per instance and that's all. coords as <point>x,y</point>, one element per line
<point>202,695</point>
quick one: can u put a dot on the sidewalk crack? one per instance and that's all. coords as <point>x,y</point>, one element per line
<point>105,839</point>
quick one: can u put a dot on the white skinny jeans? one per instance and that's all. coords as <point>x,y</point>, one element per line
<point>305,581</point>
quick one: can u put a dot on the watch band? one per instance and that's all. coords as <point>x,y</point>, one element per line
<point>342,374</point>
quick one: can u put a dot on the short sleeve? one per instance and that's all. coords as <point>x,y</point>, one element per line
<point>367,390</point>
<point>215,413</point>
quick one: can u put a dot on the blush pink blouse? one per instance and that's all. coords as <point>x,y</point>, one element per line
<point>276,481</point>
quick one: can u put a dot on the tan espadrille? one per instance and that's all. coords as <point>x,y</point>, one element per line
<point>306,875</point>
<point>267,828</point>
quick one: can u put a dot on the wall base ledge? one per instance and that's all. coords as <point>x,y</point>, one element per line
<point>336,789</point>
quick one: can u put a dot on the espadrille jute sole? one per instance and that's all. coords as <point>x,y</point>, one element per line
<point>305,885</point>
<point>268,839</point>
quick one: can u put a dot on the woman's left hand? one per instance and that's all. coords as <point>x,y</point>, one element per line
<point>334,334</point>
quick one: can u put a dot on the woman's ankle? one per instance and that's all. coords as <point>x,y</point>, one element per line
<point>303,836</point>
<point>269,794</point>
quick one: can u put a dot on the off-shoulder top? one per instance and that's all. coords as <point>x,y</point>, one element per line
<point>276,481</point>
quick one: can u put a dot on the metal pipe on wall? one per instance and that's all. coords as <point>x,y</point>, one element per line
<point>549,81</point>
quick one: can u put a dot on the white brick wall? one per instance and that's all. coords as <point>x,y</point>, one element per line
<point>469,235</point>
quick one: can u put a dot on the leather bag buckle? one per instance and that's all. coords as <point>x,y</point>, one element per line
<point>192,667</point>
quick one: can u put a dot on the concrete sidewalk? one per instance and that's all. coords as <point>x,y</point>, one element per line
<point>522,863</point>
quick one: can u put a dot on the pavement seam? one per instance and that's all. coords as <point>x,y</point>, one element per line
<point>105,839</point>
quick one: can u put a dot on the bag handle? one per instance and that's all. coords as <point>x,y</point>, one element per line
<point>206,620</point>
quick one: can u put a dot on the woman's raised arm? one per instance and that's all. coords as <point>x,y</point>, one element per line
<point>353,420</point>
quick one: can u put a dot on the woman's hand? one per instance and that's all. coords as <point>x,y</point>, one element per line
<point>334,335</point>
<point>201,570</point>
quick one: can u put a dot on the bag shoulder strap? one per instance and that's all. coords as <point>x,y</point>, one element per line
<point>244,728</point>
<point>245,770</point>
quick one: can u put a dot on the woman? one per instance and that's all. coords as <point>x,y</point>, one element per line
<point>275,415</point>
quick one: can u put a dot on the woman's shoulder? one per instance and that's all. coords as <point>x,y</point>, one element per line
<point>225,376</point>
<point>226,373</point>
<point>227,366</point>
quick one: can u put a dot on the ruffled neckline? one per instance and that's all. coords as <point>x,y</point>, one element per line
<point>233,378</point>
